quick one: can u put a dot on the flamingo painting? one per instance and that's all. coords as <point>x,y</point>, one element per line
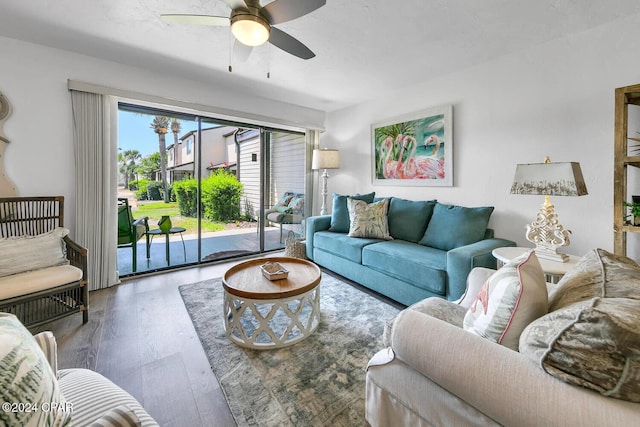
<point>424,167</point>
<point>417,149</point>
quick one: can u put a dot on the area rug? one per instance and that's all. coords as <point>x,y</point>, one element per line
<point>319,381</point>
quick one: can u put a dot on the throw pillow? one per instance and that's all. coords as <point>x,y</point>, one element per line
<point>453,226</point>
<point>28,379</point>
<point>297,204</point>
<point>592,343</point>
<point>340,213</point>
<point>598,274</point>
<point>510,299</point>
<point>408,219</point>
<point>368,219</point>
<point>284,201</point>
<point>26,253</point>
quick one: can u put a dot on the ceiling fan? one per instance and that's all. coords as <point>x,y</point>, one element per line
<point>253,25</point>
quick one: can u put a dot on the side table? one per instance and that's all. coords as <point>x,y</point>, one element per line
<point>173,230</point>
<point>553,270</point>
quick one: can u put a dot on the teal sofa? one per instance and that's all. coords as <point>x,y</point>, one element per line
<point>434,248</point>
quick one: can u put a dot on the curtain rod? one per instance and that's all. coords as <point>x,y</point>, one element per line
<point>193,108</point>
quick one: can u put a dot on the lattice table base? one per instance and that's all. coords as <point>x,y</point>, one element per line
<point>266,324</point>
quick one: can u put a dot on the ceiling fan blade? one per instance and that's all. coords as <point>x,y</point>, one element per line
<point>241,51</point>
<point>280,11</point>
<point>234,4</point>
<point>196,19</point>
<point>289,44</point>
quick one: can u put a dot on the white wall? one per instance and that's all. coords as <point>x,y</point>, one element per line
<point>40,157</point>
<point>555,99</point>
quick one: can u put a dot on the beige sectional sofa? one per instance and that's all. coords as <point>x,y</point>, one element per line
<point>437,373</point>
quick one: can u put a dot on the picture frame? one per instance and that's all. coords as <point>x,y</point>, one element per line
<point>414,150</point>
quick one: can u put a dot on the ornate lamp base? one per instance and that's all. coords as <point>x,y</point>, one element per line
<point>547,234</point>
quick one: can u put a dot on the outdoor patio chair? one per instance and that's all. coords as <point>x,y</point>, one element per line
<point>131,230</point>
<point>289,210</point>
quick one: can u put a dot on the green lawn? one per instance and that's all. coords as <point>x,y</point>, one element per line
<point>155,210</point>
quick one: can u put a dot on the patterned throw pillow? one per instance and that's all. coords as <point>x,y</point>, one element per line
<point>368,219</point>
<point>598,274</point>
<point>340,213</point>
<point>297,204</point>
<point>591,337</point>
<point>593,343</point>
<point>26,253</point>
<point>286,198</point>
<point>510,299</point>
<point>28,379</point>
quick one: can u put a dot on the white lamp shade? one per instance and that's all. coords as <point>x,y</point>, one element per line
<point>325,159</point>
<point>549,179</point>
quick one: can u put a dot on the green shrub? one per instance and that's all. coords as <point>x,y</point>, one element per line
<point>186,193</point>
<point>154,190</point>
<point>133,185</point>
<point>141,192</point>
<point>221,193</point>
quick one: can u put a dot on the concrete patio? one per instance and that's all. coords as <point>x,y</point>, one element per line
<point>215,246</point>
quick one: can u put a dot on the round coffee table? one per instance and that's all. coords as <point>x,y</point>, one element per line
<point>263,314</point>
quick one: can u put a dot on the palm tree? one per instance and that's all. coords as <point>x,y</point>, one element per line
<point>127,160</point>
<point>159,126</point>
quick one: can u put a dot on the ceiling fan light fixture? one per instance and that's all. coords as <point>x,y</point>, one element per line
<point>250,30</point>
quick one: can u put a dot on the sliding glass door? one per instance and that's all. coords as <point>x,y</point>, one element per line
<point>226,189</point>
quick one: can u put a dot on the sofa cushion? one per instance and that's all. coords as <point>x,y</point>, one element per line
<point>510,299</point>
<point>598,274</point>
<point>591,343</point>
<point>368,220</point>
<point>25,253</point>
<point>453,226</point>
<point>420,266</point>
<point>340,214</point>
<point>28,379</point>
<point>341,245</point>
<point>408,219</point>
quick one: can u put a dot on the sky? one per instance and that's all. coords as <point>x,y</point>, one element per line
<point>135,133</point>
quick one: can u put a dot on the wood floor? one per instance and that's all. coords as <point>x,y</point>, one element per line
<point>140,336</point>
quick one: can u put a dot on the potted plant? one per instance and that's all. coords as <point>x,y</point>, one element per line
<point>634,211</point>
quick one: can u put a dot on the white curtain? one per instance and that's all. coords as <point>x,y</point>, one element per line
<point>94,118</point>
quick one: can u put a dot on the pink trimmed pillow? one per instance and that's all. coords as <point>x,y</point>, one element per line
<point>510,299</point>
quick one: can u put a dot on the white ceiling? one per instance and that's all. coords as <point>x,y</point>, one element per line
<point>363,48</point>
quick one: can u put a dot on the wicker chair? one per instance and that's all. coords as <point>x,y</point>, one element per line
<point>31,216</point>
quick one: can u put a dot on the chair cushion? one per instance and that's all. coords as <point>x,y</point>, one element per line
<point>38,280</point>
<point>408,219</point>
<point>27,379</point>
<point>25,253</point>
<point>453,226</point>
<point>368,220</point>
<point>340,214</point>
<point>510,299</point>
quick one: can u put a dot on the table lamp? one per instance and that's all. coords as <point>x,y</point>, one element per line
<point>549,179</point>
<point>325,159</point>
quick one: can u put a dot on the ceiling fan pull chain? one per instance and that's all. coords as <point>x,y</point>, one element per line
<point>230,53</point>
